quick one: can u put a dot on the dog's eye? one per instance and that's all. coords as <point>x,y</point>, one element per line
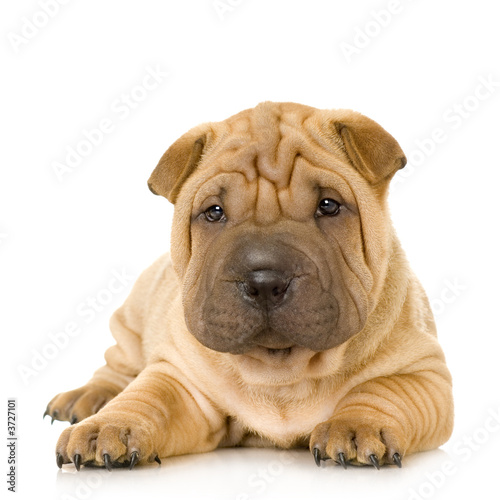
<point>327,206</point>
<point>215,213</point>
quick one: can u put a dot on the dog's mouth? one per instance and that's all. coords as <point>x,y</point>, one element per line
<point>283,352</point>
<point>273,344</point>
<point>274,355</point>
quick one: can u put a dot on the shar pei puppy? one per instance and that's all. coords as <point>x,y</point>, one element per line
<point>285,315</point>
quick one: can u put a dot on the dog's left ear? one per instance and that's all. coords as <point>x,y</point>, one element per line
<point>371,149</point>
<point>178,163</point>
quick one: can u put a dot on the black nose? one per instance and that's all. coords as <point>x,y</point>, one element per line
<point>266,287</point>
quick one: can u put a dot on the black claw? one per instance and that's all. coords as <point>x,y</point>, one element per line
<point>342,460</point>
<point>134,458</point>
<point>59,460</point>
<point>77,460</point>
<point>397,460</point>
<point>52,421</point>
<point>157,459</point>
<point>73,420</point>
<point>374,461</point>
<point>317,456</point>
<point>45,413</point>
<point>107,461</point>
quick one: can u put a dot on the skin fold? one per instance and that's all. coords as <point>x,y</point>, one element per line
<point>285,315</point>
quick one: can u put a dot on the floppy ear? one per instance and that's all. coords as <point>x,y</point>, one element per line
<point>178,163</point>
<point>372,150</point>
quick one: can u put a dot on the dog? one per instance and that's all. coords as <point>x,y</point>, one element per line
<point>285,315</point>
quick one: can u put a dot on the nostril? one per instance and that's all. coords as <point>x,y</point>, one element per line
<point>266,286</point>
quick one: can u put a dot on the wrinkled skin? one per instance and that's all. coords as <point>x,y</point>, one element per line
<point>287,314</point>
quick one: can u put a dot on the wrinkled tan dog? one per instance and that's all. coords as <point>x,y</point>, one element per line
<point>287,314</point>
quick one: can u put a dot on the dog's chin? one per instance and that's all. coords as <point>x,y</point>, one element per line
<point>273,366</point>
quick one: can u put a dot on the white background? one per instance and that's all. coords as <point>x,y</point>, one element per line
<point>61,240</point>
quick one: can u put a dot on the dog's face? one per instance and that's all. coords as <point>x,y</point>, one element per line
<point>280,234</point>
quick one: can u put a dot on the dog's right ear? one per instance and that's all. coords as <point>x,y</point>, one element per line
<point>178,163</point>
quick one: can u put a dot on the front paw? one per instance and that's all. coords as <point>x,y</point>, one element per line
<point>110,441</point>
<point>360,440</point>
<point>76,405</point>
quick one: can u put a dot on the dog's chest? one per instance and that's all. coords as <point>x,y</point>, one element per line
<point>267,420</point>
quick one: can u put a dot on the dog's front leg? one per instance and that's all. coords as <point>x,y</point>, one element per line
<point>381,420</point>
<point>155,416</point>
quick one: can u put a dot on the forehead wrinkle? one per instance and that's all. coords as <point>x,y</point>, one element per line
<point>277,150</point>
<point>266,133</point>
<point>267,204</point>
<point>213,186</point>
<point>234,156</point>
<point>335,180</point>
<point>266,142</point>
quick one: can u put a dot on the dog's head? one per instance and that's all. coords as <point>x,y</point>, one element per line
<point>281,234</point>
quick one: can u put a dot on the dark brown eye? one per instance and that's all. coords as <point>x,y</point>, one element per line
<point>327,206</point>
<point>215,213</point>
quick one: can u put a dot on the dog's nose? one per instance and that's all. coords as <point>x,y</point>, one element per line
<point>266,287</point>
